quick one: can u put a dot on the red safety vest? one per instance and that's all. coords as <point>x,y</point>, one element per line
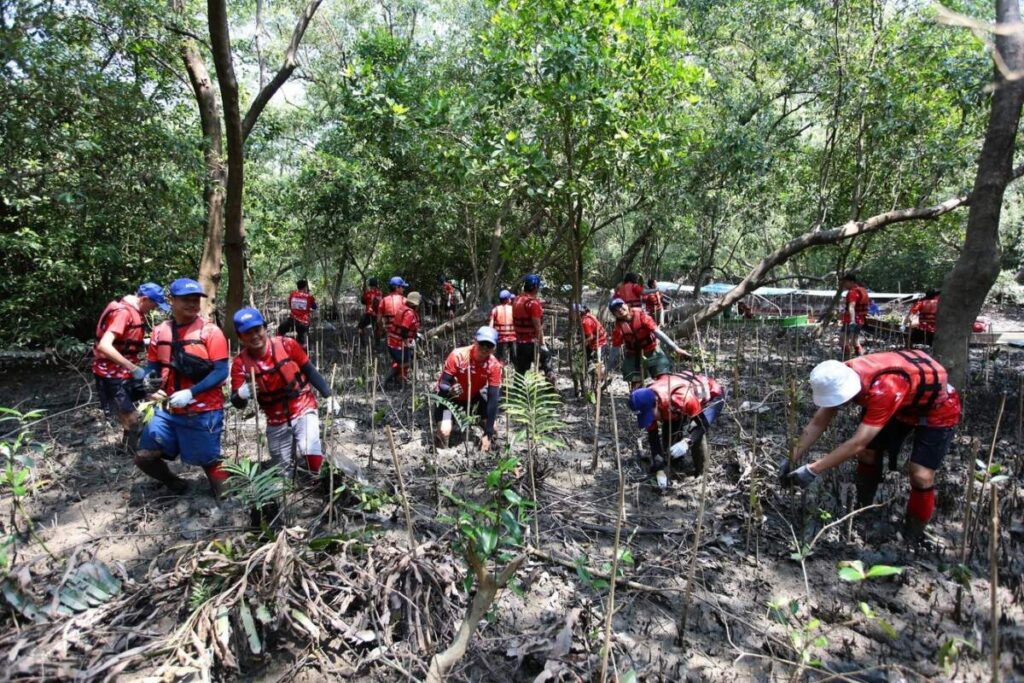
<point>371,300</point>
<point>630,292</point>
<point>683,395</point>
<point>927,314</point>
<point>653,303</point>
<point>594,334</point>
<point>501,320</point>
<point>636,338</point>
<point>131,343</point>
<point>402,328</point>
<point>192,339</point>
<point>389,308</point>
<point>522,319</point>
<point>926,377</point>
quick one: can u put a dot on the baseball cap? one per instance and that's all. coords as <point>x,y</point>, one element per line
<point>833,384</point>
<point>642,402</point>
<point>397,281</point>
<point>532,280</point>
<point>487,334</point>
<point>183,286</point>
<point>154,292</point>
<point>615,303</point>
<point>505,294</point>
<point>247,318</point>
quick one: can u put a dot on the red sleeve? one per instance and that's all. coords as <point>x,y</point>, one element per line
<point>494,373</point>
<point>916,308</point>
<point>883,399</point>
<point>536,310</point>
<point>237,373</point>
<point>414,323</point>
<point>616,336</point>
<point>216,344</point>
<point>649,322</point>
<point>117,322</point>
<point>295,351</point>
<point>449,365</point>
<point>638,291</point>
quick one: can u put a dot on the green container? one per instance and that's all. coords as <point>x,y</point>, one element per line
<point>794,321</point>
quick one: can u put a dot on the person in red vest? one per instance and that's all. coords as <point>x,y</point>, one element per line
<point>637,334</point>
<point>502,321</point>
<point>927,311</point>
<point>301,305</point>
<point>899,393</point>
<point>391,304</point>
<point>528,319</point>
<point>116,356</point>
<point>630,290</point>
<point>283,376</point>
<point>372,297</point>
<point>654,303</point>
<point>676,409</point>
<point>191,355</point>
<point>471,377</point>
<point>447,296</point>
<point>594,335</point>
<point>855,312</point>
<point>402,331</point>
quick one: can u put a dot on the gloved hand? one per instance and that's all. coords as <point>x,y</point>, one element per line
<point>139,373</point>
<point>803,476</point>
<point>784,467</point>
<point>244,391</point>
<point>420,337</point>
<point>180,399</point>
<point>455,391</point>
<point>333,406</point>
<point>680,448</point>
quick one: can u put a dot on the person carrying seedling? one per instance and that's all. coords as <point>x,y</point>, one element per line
<point>391,304</point>
<point>528,319</point>
<point>120,379</point>
<point>927,312</point>
<point>637,334</point>
<point>372,297</point>
<point>191,355</point>
<point>402,331</point>
<point>502,321</point>
<point>630,290</point>
<point>283,374</point>
<point>594,335</point>
<point>899,393</point>
<point>472,375</point>
<point>654,302</point>
<point>855,313</point>
<point>301,305</point>
<point>447,296</point>
<point>676,410</point>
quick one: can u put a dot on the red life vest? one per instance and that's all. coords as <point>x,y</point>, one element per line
<point>131,343</point>
<point>501,320</point>
<point>281,383</point>
<point>389,308</point>
<point>301,304</point>
<point>926,377</point>
<point>927,314</point>
<point>169,342</point>
<point>683,395</point>
<point>402,328</point>
<point>631,293</point>
<point>653,303</point>
<point>371,300</point>
<point>522,318</point>
<point>594,334</point>
<point>636,338</point>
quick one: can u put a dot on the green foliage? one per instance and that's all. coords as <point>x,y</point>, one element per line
<point>255,486</point>
<point>854,572</point>
<point>804,634</point>
<point>17,478</point>
<point>365,498</point>
<point>533,408</point>
<point>949,653</point>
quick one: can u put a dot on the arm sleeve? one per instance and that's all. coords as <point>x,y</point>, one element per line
<point>316,379</point>
<point>654,439</point>
<point>493,395</point>
<point>214,379</point>
<point>444,384</point>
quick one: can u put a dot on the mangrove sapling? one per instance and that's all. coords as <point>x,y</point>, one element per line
<point>804,635</point>
<point>18,479</point>
<point>489,536</point>
<point>258,488</point>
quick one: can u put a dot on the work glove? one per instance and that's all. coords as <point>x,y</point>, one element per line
<point>802,476</point>
<point>245,391</point>
<point>333,407</point>
<point>420,337</point>
<point>455,391</point>
<point>139,373</point>
<point>180,399</point>
<point>680,448</point>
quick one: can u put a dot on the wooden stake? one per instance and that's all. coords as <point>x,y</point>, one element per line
<point>993,557</point>
<point>401,487</point>
<point>597,416</point>
<point>373,410</point>
<point>610,609</point>
<point>259,449</point>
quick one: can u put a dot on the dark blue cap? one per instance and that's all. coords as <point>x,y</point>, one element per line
<point>615,303</point>
<point>397,281</point>
<point>247,318</point>
<point>186,287</point>
<point>532,280</point>
<point>155,293</point>
<point>642,402</point>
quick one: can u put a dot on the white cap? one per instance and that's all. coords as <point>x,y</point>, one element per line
<point>833,384</point>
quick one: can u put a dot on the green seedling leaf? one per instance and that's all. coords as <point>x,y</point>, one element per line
<point>488,540</point>
<point>249,626</point>
<point>850,574</point>
<point>880,570</point>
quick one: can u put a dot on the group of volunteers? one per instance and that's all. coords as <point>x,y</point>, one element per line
<point>900,392</point>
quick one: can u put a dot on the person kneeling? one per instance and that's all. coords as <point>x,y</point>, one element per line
<point>471,375</point>
<point>283,374</point>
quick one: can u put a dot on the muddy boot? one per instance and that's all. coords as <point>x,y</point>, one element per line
<point>913,531</point>
<point>155,467</point>
<point>867,479</point>
<point>389,378</point>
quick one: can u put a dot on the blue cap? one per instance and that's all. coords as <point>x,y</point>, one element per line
<point>615,303</point>
<point>397,281</point>
<point>247,318</point>
<point>487,334</point>
<point>642,402</point>
<point>186,287</point>
<point>532,280</point>
<point>505,294</point>
<point>155,293</point>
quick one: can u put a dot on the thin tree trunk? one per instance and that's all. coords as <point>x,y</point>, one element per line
<point>967,284</point>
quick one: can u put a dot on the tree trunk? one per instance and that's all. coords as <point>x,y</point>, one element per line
<point>486,294</point>
<point>216,174</point>
<point>627,258</point>
<point>975,271</point>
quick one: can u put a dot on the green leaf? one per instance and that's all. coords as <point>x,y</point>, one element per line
<point>883,570</point>
<point>850,574</point>
<point>488,540</point>
<point>249,626</point>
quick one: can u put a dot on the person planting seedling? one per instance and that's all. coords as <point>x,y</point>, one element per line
<point>637,334</point>
<point>471,377</point>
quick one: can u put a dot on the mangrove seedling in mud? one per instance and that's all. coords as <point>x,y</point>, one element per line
<point>18,480</point>
<point>258,488</point>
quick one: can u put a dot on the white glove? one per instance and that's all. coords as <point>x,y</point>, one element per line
<point>680,448</point>
<point>244,392</point>
<point>333,407</point>
<point>180,399</point>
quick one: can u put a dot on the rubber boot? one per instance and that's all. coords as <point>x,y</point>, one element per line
<point>867,478</point>
<point>913,530</point>
<point>391,375</point>
<point>157,469</point>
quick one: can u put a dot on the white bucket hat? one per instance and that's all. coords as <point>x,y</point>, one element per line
<point>833,384</point>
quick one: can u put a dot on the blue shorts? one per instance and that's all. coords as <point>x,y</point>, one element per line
<point>114,398</point>
<point>196,437</point>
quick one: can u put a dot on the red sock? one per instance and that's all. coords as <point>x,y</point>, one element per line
<point>921,504</point>
<point>216,473</point>
<point>314,462</point>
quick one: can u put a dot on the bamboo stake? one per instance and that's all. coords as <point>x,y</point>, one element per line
<point>330,468</point>
<point>610,609</point>
<point>975,447</point>
<point>373,411</point>
<point>255,398</point>
<point>597,416</point>
<point>988,468</point>
<point>681,630</point>
<point>401,486</point>
<point>993,550</point>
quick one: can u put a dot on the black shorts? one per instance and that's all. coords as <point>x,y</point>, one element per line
<point>366,321</point>
<point>930,443</point>
<point>114,398</point>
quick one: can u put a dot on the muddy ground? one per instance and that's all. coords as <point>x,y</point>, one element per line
<point>184,569</point>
